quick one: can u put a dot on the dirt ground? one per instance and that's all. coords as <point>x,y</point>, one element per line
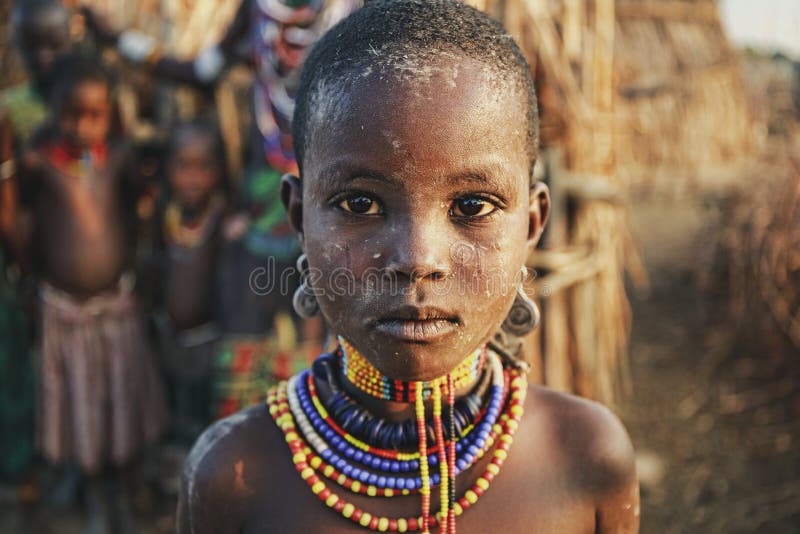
<point>713,415</point>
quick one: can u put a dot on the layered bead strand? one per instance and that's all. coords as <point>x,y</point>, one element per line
<point>451,457</point>
<point>425,490</point>
<point>322,451</point>
<point>343,447</point>
<point>357,422</point>
<point>387,460</point>
<point>442,450</point>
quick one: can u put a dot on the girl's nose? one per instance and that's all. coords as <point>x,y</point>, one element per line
<point>420,250</point>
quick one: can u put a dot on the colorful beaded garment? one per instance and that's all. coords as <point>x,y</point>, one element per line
<point>283,30</point>
<point>325,454</point>
<point>248,364</point>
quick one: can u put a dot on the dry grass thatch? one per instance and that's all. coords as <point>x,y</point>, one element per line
<point>680,109</point>
<point>681,104</point>
<point>635,95</point>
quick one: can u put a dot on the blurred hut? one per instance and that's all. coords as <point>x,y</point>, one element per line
<point>635,95</point>
<point>773,91</point>
<point>185,26</point>
<point>682,103</point>
<point>769,235</point>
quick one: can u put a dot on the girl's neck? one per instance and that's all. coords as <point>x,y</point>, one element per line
<point>194,214</point>
<point>68,146</point>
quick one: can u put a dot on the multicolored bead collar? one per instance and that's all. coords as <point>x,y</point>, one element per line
<point>368,379</point>
<point>325,455</point>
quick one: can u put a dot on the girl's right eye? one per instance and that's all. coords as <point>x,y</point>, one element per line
<point>360,205</point>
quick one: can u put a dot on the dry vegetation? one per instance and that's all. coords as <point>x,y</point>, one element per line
<point>715,410</point>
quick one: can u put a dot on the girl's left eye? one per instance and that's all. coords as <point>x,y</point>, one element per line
<point>360,205</point>
<point>472,207</point>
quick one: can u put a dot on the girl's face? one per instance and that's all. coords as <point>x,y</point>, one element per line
<point>194,171</point>
<point>85,115</point>
<point>416,215</point>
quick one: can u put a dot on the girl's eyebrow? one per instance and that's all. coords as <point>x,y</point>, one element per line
<point>473,177</point>
<point>494,172</point>
<point>342,172</point>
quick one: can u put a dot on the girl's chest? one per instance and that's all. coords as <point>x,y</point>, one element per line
<point>517,501</point>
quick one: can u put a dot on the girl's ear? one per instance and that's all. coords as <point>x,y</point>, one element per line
<point>292,198</point>
<point>539,210</point>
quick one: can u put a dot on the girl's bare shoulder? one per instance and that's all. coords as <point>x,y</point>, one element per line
<point>227,467</point>
<point>583,436</point>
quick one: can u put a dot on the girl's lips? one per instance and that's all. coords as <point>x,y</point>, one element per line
<point>416,330</point>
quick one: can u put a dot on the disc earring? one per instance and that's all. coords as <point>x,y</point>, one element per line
<point>304,301</point>
<point>523,317</point>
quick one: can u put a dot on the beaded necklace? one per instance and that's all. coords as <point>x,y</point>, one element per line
<point>356,420</point>
<point>369,380</point>
<point>322,450</point>
<point>342,446</point>
<point>177,232</point>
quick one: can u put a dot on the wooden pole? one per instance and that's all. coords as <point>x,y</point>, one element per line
<point>573,29</point>
<point>669,10</point>
<point>603,86</point>
<point>558,371</point>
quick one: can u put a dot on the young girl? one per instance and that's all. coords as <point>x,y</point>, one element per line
<point>190,237</point>
<point>99,401</point>
<point>416,132</point>
<point>261,339</point>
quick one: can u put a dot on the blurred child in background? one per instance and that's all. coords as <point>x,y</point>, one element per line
<point>41,35</point>
<point>190,238</point>
<point>263,342</point>
<point>99,400</point>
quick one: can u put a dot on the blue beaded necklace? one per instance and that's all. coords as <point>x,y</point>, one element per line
<point>357,420</point>
<point>336,451</point>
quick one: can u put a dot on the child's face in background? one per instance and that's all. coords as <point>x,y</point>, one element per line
<point>426,181</point>
<point>194,171</point>
<point>42,37</point>
<point>85,114</point>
